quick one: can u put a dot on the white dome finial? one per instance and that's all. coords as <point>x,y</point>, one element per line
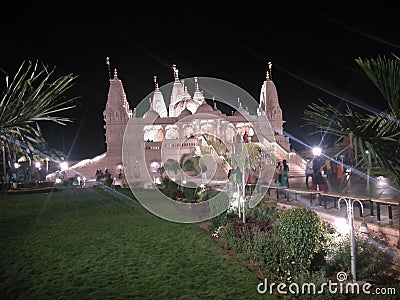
<point>269,74</point>
<point>176,72</point>
<point>155,82</point>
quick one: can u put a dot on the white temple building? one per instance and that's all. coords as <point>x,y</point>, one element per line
<point>177,127</point>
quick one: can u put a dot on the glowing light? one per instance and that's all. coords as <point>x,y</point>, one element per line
<point>16,165</point>
<point>64,166</point>
<point>37,165</point>
<point>341,226</point>
<point>316,151</point>
<point>381,180</point>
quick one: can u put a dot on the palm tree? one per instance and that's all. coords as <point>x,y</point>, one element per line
<point>30,97</point>
<point>372,136</point>
<point>377,133</point>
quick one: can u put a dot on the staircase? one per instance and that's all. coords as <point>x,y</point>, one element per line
<point>86,168</point>
<point>296,163</point>
<point>296,171</point>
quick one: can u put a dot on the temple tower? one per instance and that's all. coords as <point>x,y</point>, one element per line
<point>116,116</point>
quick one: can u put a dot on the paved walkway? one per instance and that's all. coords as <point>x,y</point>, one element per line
<point>383,211</point>
<point>388,199</point>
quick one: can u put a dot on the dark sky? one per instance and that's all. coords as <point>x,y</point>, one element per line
<point>313,48</point>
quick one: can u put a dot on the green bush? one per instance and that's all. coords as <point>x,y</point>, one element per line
<point>373,263</point>
<point>106,179</point>
<point>190,190</point>
<point>274,258</point>
<point>303,233</point>
<point>217,221</point>
<point>267,212</point>
<point>219,203</point>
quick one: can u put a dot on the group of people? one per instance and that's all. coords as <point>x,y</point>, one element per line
<point>251,179</point>
<point>282,173</point>
<point>315,169</point>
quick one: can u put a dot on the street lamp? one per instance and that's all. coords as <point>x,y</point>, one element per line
<point>350,216</point>
<point>316,151</point>
<point>64,166</point>
<point>47,166</point>
<point>119,171</point>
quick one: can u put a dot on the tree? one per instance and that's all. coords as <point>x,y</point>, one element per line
<point>32,96</point>
<point>372,136</point>
<point>172,165</point>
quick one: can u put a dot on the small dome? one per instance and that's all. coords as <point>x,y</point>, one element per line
<point>204,108</point>
<point>241,112</point>
<point>217,111</point>
<point>151,114</point>
<point>184,113</point>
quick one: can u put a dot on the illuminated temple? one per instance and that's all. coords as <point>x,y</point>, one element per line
<point>179,125</point>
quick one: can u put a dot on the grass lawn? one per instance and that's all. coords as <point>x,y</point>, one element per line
<point>94,244</point>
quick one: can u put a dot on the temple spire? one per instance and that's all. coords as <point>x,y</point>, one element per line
<point>196,85</point>
<point>115,73</point>
<point>155,83</point>
<point>176,72</point>
<point>108,67</point>
<point>269,74</point>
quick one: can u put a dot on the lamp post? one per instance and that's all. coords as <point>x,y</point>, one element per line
<point>350,216</point>
<point>368,170</point>
<point>47,166</point>
<point>5,179</point>
<point>119,171</point>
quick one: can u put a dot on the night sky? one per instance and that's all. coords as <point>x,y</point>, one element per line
<point>312,47</point>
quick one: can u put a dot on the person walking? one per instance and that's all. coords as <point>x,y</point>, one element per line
<point>309,172</point>
<point>328,168</point>
<point>278,172</point>
<point>285,174</point>
<point>319,182</point>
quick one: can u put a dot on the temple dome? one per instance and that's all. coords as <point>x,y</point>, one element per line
<point>241,112</point>
<point>204,108</point>
<point>151,114</point>
<point>185,113</point>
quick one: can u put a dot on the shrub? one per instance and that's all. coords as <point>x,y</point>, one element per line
<point>219,201</point>
<point>373,262</point>
<point>303,233</point>
<point>217,221</point>
<point>189,190</point>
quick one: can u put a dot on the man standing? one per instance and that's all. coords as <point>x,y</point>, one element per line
<point>278,172</point>
<point>309,172</point>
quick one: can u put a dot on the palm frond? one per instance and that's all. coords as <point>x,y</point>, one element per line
<point>385,75</point>
<point>33,95</point>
